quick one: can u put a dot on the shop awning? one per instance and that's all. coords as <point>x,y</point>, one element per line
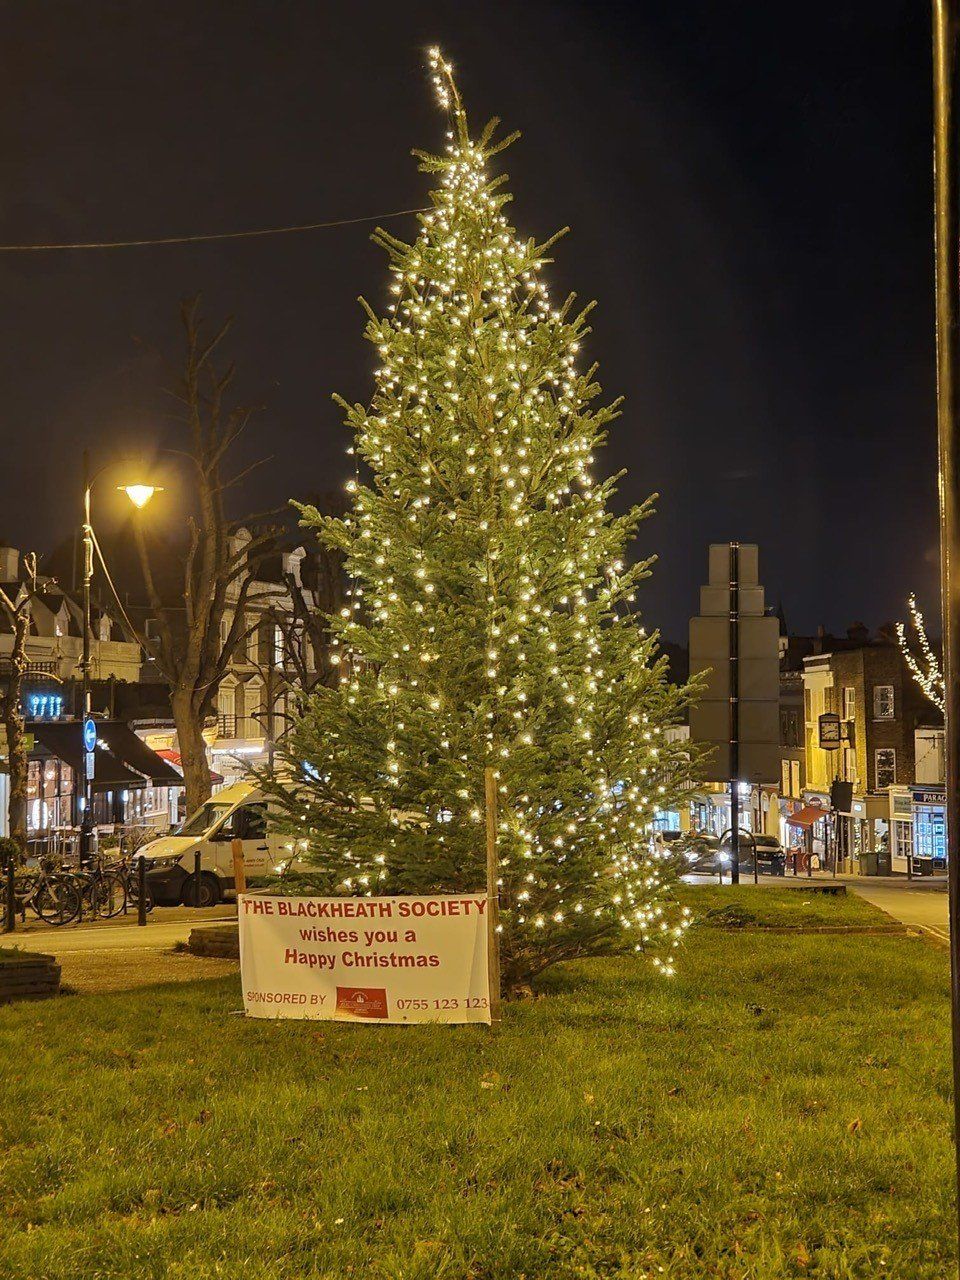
<point>806,816</point>
<point>120,760</point>
<point>167,753</point>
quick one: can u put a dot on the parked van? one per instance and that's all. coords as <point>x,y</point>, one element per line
<point>237,812</point>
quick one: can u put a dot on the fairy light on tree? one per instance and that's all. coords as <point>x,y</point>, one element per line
<point>927,671</point>
<point>490,623</point>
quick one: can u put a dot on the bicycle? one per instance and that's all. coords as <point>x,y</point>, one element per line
<point>52,895</point>
<point>102,889</point>
<point>126,868</point>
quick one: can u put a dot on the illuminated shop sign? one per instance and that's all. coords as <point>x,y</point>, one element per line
<point>45,706</point>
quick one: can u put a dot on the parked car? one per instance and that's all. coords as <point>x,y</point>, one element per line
<point>771,858</point>
<point>700,853</point>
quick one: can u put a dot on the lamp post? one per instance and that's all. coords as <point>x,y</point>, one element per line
<point>139,495</point>
<point>946,25</point>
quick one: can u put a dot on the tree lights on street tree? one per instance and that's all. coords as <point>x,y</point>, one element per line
<point>490,621</point>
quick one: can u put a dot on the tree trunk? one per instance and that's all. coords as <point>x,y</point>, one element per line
<point>17,800</point>
<point>13,723</point>
<point>193,749</point>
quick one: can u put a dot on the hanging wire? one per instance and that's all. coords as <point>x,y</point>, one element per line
<point>131,629</point>
<point>206,237</point>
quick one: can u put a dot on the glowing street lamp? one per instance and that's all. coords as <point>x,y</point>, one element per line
<point>139,494</point>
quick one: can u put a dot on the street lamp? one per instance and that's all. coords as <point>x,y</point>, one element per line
<point>139,495</point>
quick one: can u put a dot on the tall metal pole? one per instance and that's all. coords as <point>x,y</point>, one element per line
<point>947,225</point>
<point>86,817</point>
<point>735,712</point>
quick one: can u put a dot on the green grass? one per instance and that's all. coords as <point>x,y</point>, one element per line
<point>780,1109</point>
<point>787,907</point>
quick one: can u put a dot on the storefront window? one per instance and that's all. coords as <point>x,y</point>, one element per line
<point>903,838</point>
<point>930,834</point>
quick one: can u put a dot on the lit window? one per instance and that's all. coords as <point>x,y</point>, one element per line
<point>883,708</point>
<point>885,763</point>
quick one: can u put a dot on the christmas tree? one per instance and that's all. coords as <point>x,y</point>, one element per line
<point>491,619</point>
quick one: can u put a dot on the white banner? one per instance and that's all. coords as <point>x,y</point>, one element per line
<point>375,959</point>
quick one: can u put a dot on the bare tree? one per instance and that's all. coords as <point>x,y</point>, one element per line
<point>927,672</point>
<point>316,592</point>
<point>17,612</point>
<point>192,649</point>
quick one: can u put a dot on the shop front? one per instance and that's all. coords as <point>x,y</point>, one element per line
<point>129,786</point>
<point>918,831</point>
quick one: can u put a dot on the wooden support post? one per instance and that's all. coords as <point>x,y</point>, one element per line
<point>239,869</point>
<point>493,896</point>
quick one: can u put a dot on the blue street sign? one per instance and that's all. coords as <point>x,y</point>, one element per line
<point>89,734</point>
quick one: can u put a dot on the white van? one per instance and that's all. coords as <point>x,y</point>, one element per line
<point>237,812</point>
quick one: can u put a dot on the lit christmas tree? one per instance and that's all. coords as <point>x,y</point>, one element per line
<point>490,622</point>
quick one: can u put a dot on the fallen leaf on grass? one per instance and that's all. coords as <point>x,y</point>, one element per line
<point>855,1125</point>
<point>803,1257</point>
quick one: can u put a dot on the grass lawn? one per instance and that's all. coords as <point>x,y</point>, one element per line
<point>781,1108</point>
<point>793,906</point>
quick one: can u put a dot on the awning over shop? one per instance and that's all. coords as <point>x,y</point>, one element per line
<point>120,760</point>
<point>167,753</point>
<point>806,816</point>
<point>135,754</point>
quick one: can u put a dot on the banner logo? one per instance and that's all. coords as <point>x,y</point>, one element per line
<point>362,1002</point>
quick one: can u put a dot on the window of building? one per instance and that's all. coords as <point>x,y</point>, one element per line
<point>885,764</point>
<point>225,623</point>
<point>883,702</point>
<point>849,764</point>
<point>903,838</point>
<point>849,703</point>
<point>277,645</point>
<point>253,644</point>
<point>930,833</point>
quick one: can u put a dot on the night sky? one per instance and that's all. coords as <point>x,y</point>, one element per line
<point>748,187</point>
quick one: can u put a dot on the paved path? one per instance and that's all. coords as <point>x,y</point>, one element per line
<point>119,955</point>
<point>163,929</point>
<point>925,908</point>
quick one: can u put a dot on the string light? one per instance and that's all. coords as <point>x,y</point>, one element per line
<point>929,677</point>
<point>489,621</point>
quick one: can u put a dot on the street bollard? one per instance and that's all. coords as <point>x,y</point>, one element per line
<point>141,891</point>
<point>10,900</point>
<point>196,879</point>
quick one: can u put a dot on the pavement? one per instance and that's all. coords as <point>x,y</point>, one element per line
<point>922,906</point>
<point>164,928</point>
<point>119,954</point>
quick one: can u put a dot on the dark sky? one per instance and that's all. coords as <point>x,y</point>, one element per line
<point>748,187</point>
